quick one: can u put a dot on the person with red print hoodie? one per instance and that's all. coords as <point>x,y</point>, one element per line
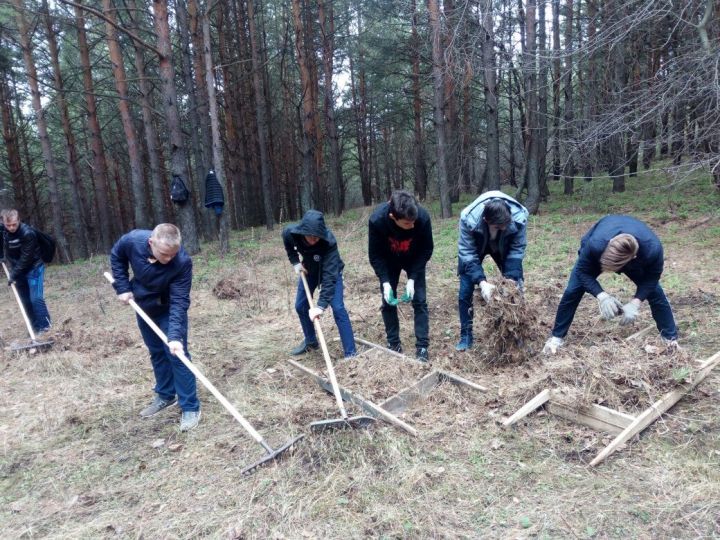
<point>400,238</point>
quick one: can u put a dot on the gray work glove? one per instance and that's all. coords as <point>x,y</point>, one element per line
<point>486,290</point>
<point>630,312</point>
<point>298,268</point>
<point>552,345</point>
<point>609,306</point>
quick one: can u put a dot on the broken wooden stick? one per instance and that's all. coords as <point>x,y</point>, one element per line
<point>529,407</point>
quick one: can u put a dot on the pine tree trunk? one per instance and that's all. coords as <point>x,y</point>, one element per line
<point>137,183</point>
<point>41,123</point>
<point>99,163</point>
<point>421,179</point>
<point>438,66</point>
<point>492,134</point>
<point>12,149</point>
<point>215,128</point>
<point>532,166</point>
<point>557,78</point>
<point>178,158</point>
<point>542,114</point>
<point>569,111</point>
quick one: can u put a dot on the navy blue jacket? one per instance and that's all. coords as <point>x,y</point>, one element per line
<point>389,246</point>
<point>322,259</point>
<point>645,269</point>
<point>156,287</point>
<point>22,250</point>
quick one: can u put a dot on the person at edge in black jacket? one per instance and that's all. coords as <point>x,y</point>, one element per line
<point>624,245</point>
<point>27,271</point>
<point>162,277</point>
<point>400,238</point>
<point>323,266</point>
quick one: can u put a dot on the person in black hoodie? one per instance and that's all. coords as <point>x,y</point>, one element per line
<point>323,266</point>
<point>400,238</point>
<point>27,270</point>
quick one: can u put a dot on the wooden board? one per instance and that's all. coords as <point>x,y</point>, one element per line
<point>535,403</point>
<point>595,416</point>
<point>406,397</point>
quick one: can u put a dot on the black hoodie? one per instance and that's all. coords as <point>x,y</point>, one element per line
<point>322,259</point>
<point>21,249</point>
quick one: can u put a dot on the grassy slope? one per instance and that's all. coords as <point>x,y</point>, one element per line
<point>77,462</point>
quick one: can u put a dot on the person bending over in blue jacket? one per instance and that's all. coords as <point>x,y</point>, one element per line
<point>323,266</point>
<point>162,277</point>
<point>493,224</point>
<point>624,245</point>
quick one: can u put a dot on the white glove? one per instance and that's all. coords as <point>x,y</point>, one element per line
<point>486,290</point>
<point>175,347</point>
<point>410,289</point>
<point>388,294</point>
<point>630,312</point>
<point>315,312</point>
<point>609,306</point>
<point>298,268</point>
<point>125,297</point>
<point>552,345</point>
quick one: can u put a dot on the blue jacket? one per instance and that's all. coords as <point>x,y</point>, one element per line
<point>645,269</point>
<point>322,259</point>
<point>156,287</point>
<point>389,246</point>
<point>474,235</point>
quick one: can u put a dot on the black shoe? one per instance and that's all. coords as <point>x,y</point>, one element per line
<point>397,347</point>
<point>303,348</point>
<point>421,354</point>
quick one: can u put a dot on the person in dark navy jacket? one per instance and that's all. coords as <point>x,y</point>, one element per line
<point>21,250</point>
<point>162,277</point>
<point>323,266</point>
<point>627,246</point>
<point>400,238</point>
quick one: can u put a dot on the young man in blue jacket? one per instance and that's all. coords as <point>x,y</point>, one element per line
<point>162,277</point>
<point>323,266</point>
<point>27,270</point>
<point>624,245</point>
<point>400,238</point>
<point>493,224</point>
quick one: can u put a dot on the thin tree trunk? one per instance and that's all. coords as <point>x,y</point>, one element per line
<point>215,128</point>
<point>557,78</point>
<point>12,148</point>
<point>542,89</point>
<point>421,179</point>
<point>41,123</point>
<point>532,166</point>
<point>178,158</point>
<point>492,133</point>
<point>99,163</point>
<point>260,112</point>
<point>438,102</point>
<point>569,131</point>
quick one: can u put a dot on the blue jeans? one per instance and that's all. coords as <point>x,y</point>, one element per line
<point>659,307</point>
<point>30,290</point>
<point>419,303</point>
<point>465,306</point>
<point>172,377</point>
<point>342,319</point>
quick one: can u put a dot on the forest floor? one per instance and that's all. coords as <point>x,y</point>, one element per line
<point>78,462</point>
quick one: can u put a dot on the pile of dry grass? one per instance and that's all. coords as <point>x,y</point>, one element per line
<point>229,288</point>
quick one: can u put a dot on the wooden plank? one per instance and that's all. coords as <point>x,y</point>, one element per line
<point>366,405</point>
<point>529,407</point>
<point>389,351</point>
<point>642,333</point>
<point>656,410</point>
<point>586,416</point>
<point>457,379</point>
<point>406,397</point>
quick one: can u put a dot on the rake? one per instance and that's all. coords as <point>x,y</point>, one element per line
<point>34,343</point>
<point>353,422</point>
<point>272,453</point>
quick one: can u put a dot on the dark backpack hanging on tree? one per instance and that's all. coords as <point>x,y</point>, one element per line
<point>47,245</point>
<point>179,193</point>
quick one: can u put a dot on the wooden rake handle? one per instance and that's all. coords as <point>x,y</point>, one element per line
<point>323,346</point>
<point>19,301</point>
<point>184,359</point>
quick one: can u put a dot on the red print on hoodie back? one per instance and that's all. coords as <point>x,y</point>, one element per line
<point>400,247</point>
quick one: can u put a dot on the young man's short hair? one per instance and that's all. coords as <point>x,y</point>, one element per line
<point>403,205</point>
<point>621,249</point>
<point>496,212</point>
<point>10,213</point>
<point>168,235</point>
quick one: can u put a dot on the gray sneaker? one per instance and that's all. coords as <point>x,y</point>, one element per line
<point>156,406</point>
<point>189,420</point>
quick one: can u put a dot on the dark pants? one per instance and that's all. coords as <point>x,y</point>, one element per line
<point>342,319</point>
<point>419,303</point>
<point>30,289</point>
<point>465,300</point>
<point>659,307</point>
<point>172,377</point>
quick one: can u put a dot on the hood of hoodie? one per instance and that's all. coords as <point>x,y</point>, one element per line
<point>472,214</point>
<point>313,224</point>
